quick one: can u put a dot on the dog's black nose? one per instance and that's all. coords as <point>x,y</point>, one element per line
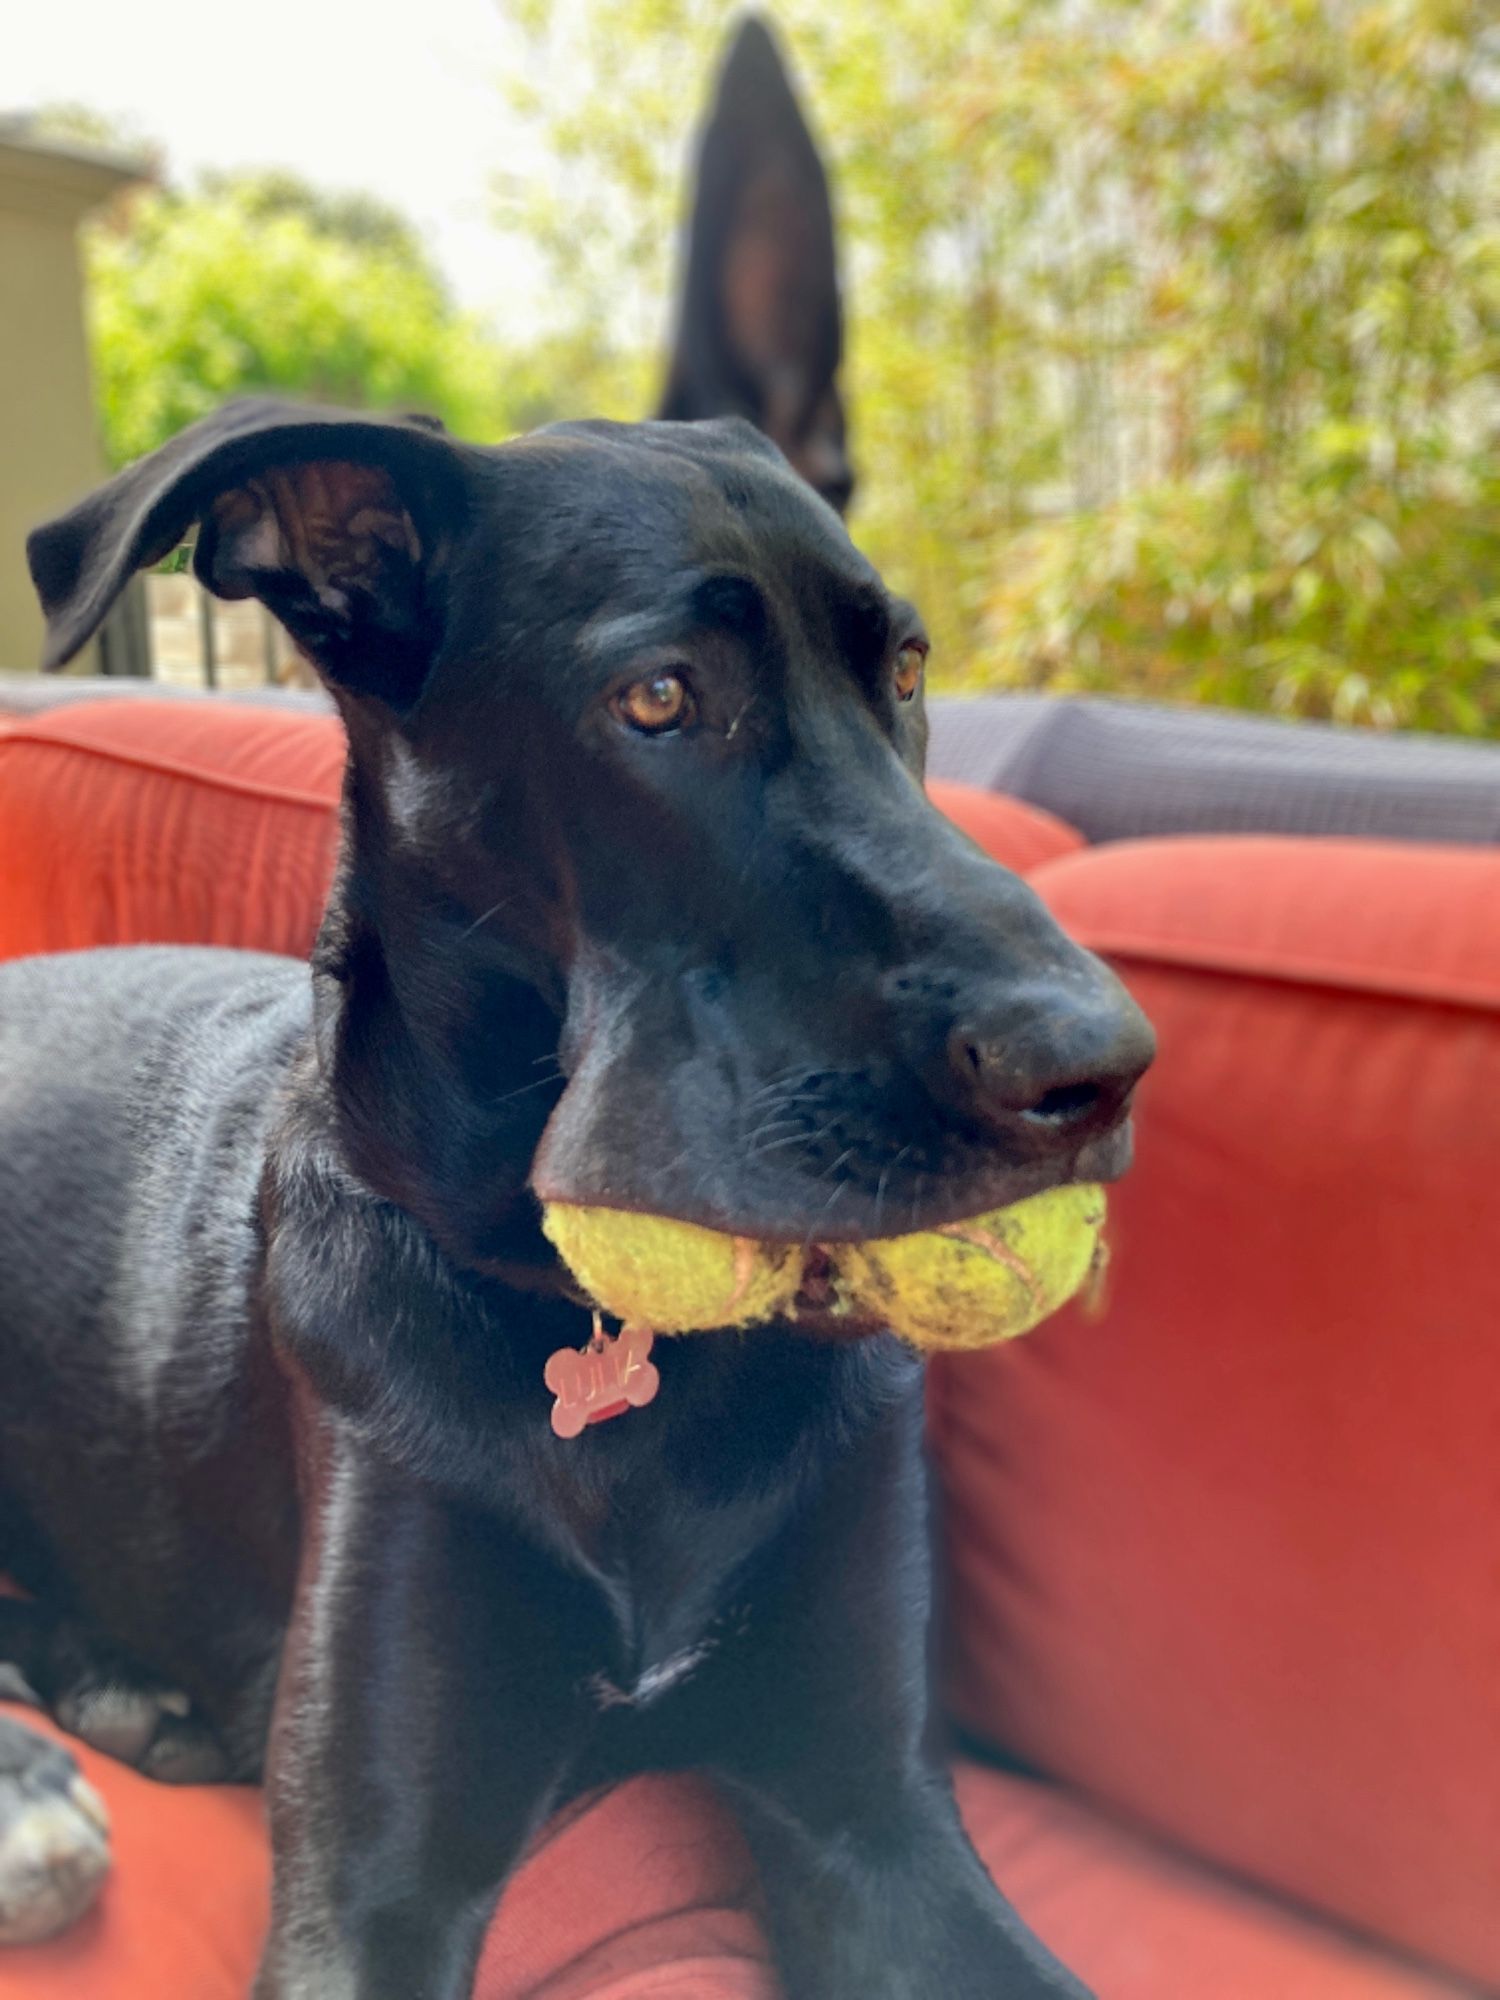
<point>1057,1064</point>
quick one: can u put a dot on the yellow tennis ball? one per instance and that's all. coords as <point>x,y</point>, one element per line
<point>672,1276</point>
<point>966,1285</point>
<point>973,1283</point>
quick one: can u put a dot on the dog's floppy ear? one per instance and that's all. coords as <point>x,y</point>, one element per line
<point>760,331</point>
<point>335,521</point>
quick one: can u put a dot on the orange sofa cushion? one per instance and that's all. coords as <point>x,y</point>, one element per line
<point>647,1893</point>
<point>158,822</point>
<point>1229,1557</point>
<point>162,822</point>
<point>1018,835</point>
<point>183,1912</point>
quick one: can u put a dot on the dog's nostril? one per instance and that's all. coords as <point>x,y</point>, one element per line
<point>1057,1075</point>
<point>1065,1104</point>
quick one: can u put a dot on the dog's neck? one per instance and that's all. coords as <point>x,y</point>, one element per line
<point>439,1053</point>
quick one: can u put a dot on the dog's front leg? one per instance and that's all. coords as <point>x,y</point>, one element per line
<point>886,1899</point>
<point>424,1721</point>
<point>822,1732</point>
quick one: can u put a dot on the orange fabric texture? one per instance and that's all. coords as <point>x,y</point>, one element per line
<point>184,1910</point>
<point>1228,1556</point>
<point>1139,1923</point>
<point>645,1890</point>
<point>647,1893</point>
<point>1412,921</point>
<point>1020,836</point>
<point>166,823</point>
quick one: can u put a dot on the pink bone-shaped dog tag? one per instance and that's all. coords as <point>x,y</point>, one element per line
<point>604,1379</point>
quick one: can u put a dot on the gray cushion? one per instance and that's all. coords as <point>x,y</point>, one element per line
<point>34,694</point>
<point>1118,770</point>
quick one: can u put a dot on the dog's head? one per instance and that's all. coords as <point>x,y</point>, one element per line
<point>642,901</point>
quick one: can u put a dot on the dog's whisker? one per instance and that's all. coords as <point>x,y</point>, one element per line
<point>885,1173</point>
<point>773,1124</point>
<point>795,1076</point>
<point>773,1093</point>
<point>840,1189</point>
<point>918,1182</point>
<point>798,1109</point>
<point>542,1083</point>
<point>778,1114</point>
<point>479,922</point>
<point>776,1145</point>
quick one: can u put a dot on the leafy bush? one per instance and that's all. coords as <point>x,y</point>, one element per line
<point>1175,322</point>
<point>252,285</point>
<point>1343,600</point>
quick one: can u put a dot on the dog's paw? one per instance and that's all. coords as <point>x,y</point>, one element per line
<point>54,1837</point>
<point>142,1722</point>
<point>98,1694</point>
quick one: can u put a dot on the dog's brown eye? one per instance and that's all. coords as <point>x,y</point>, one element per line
<point>909,663</point>
<point>655,705</point>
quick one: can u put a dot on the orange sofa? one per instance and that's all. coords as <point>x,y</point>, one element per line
<point>1223,1612</point>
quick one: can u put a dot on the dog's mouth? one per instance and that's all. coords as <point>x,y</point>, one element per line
<point>819,1307</point>
<point>988,1276</point>
<point>816,1293</point>
<point>825,1163</point>
<point>816,1209</point>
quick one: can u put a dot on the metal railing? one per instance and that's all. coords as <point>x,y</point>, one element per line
<point>168,628</point>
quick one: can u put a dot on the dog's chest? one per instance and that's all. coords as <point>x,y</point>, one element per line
<point>663,1585</point>
<point>651,1683</point>
<point>662,1569</point>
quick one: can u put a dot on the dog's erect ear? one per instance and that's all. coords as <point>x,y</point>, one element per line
<point>335,521</point>
<point>760,330</point>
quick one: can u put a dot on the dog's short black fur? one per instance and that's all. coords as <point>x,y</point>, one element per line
<point>274,1300</point>
<point>274,1303</point>
<point>760,324</point>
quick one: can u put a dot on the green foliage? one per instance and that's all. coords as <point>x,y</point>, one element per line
<point>260,284</point>
<point>352,218</point>
<point>1175,322</point>
<point>1345,598</point>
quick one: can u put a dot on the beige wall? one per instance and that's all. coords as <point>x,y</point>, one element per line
<point>49,451</point>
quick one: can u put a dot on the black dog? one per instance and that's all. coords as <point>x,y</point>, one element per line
<point>640,903</point>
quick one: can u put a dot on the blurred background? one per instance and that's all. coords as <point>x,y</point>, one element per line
<point>1172,326</point>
